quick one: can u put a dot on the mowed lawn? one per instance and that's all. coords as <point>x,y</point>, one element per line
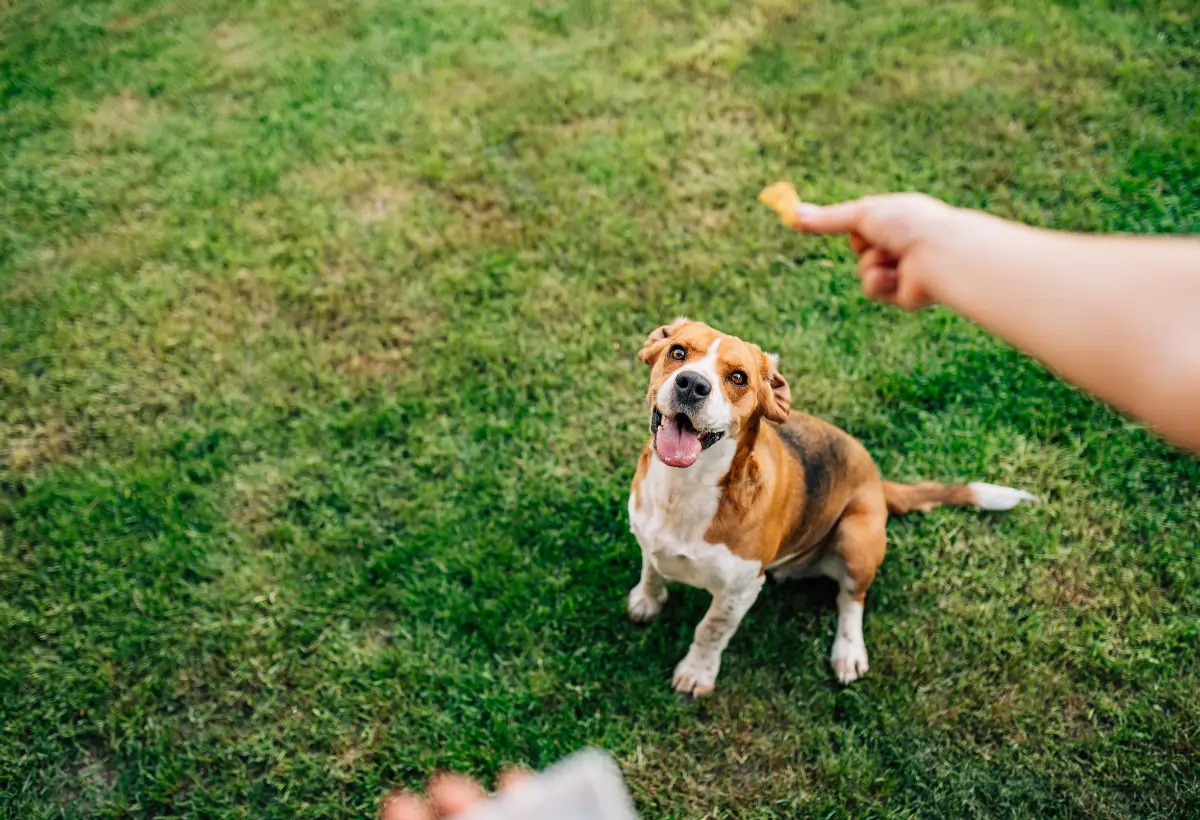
<point>318,403</point>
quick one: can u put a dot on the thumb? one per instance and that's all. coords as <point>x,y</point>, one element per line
<point>843,217</point>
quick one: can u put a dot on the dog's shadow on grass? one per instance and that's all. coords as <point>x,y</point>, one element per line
<point>790,628</point>
<point>796,604</point>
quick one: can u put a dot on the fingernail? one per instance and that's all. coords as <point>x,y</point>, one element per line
<point>806,210</point>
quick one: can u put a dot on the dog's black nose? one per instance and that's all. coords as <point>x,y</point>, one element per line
<point>691,386</point>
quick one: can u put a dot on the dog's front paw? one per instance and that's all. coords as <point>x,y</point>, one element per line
<point>849,660</point>
<point>644,607</point>
<point>696,674</point>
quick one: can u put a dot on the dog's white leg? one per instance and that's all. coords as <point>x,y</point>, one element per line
<point>696,674</point>
<point>647,598</point>
<point>849,655</point>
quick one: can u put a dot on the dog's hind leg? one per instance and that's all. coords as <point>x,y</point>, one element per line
<point>859,544</point>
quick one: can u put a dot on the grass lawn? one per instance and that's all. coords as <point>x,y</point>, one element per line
<point>318,403</point>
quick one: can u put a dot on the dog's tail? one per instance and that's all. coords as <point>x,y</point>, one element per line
<point>905,498</point>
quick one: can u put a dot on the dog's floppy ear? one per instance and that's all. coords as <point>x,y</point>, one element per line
<point>656,342</point>
<point>777,396</point>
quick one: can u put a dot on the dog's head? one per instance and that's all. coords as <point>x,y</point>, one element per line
<point>706,386</point>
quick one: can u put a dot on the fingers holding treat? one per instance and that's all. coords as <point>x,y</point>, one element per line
<point>783,200</point>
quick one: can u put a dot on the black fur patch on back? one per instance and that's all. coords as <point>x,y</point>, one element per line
<point>822,460</point>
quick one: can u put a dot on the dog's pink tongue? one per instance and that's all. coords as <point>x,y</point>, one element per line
<point>677,447</point>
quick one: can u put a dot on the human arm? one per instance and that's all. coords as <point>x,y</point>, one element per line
<point>1116,316</point>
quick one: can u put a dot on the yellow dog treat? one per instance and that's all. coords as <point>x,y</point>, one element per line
<point>782,199</point>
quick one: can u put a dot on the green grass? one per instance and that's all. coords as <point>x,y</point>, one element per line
<point>318,404</point>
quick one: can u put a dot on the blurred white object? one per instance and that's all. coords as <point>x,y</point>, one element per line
<point>585,786</point>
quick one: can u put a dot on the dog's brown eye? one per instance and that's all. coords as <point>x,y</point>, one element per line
<point>678,353</point>
<point>737,377</point>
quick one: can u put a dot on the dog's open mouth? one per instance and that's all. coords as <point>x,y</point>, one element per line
<point>677,441</point>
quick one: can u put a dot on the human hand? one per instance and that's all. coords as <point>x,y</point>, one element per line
<point>448,796</point>
<point>903,242</point>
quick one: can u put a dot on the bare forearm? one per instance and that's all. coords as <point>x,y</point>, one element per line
<point>1119,317</point>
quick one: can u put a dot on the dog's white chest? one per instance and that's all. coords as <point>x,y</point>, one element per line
<point>677,507</point>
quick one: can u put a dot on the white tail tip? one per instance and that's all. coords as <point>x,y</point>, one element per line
<point>995,497</point>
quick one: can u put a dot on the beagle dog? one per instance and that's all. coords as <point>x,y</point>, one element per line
<point>733,484</point>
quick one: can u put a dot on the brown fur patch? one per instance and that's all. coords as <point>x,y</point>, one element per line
<point>639,475</point>
<point>789,488</point>
<point>904,498</point>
